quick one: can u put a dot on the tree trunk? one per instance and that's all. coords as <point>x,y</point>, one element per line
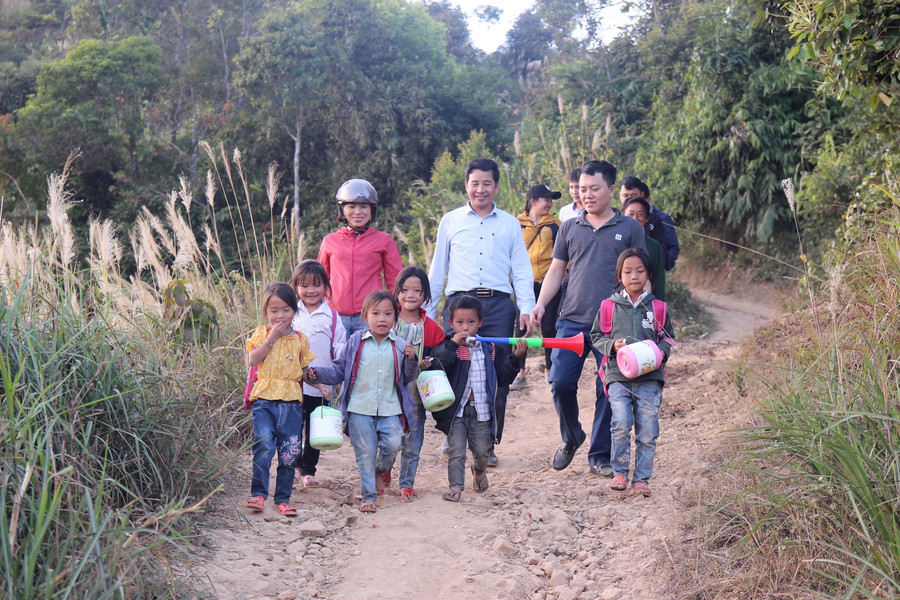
<point>298,124</point>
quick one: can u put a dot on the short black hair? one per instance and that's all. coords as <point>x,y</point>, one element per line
<point>413,271</point>
<point>378,297</point>
<point>465,302</point>
<point>574,175</point>
<point>313,269</point>
<point>628,253</point>
<point>600,167</point>
<point>640,200</point>
<point>483,164</point>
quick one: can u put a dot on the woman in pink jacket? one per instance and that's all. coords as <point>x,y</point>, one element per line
<point>358,258</point>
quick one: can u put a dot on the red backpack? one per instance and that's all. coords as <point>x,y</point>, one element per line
<point>252,373</point>
<point>607,307</point>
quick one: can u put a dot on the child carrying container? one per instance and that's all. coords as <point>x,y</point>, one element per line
<point>281,356</point>
<point>633,316</point>
<point>325,332</point>
<point>422,333</point>
<point>374,368</point>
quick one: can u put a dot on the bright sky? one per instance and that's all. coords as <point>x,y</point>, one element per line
<point>489,37</point>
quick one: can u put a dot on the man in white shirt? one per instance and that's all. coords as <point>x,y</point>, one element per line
<point>480,252</point>
<point>570,211</point>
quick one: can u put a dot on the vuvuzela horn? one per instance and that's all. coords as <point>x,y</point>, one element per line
<point>574,343</point>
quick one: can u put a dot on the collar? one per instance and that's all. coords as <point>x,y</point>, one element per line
<point>367,335</point>
<point>639,300</point>
<point>580,219</point>
<point>322,308</point>
<point>353,231</point>
<point>470,210</point>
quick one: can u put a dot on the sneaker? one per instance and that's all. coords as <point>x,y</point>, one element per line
<point>493,461</point>
<point>618,483</point>
<point>518,383</point>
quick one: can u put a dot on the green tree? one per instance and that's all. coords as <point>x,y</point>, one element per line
<point>94,99</point>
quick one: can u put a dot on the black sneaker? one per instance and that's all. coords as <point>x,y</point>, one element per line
<point>566,453</point>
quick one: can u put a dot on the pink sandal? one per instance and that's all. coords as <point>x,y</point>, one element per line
<point>286,510</point>
<point>408,495</point>
<point>310,481</point>
<point>368,507</point>
<point>382,482</point>
<point>256,503</point>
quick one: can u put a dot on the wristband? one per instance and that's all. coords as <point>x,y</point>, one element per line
<point>270,345</point>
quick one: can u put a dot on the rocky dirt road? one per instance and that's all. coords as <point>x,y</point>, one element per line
<point>536,533</point>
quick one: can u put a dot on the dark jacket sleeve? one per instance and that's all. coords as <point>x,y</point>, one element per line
<point>507,366</point>
<point>445,352</point>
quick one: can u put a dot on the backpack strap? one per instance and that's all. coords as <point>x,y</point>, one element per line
<point>659,321</point>
<point>606,315</point>
<point>334,318</point>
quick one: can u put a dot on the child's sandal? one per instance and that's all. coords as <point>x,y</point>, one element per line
<point>408,495</point>
<point>368,507</point>
<point>479,480</point>
<point>310,481</point>
<point>286,510</point>
<point>453,495</point>
<point>257,503</point>
<point>382,482</point>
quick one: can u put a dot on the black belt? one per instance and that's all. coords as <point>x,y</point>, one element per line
<point>484,293</point>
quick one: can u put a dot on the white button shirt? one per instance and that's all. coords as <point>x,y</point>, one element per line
<point>481,252</point>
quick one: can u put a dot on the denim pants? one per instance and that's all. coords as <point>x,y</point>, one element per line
<point>353,323</point>
<point>310,458</point>
<point>564,375</point>
<point>276,426</point>
<point>376,441</point>
<point>635,403</point>
<point>467,428</point>
<point>411,447</point>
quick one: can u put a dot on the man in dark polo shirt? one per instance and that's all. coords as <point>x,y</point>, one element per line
<point>589,245</point>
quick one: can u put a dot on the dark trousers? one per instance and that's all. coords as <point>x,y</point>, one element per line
<point>548,322</point>
<point>499,321</point>
<point>307,461</point>
<point>564,376</point>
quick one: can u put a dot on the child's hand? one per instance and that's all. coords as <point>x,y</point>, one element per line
<point>311,374</point>
<point>425,363</point>
<point>279,331</point>
<point>326,392</point>
<point>460,338</point>
<point>620,343</point>
<point>521,348</point>
<point>410,352</point>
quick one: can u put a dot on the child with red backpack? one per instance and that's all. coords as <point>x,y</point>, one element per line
<point>631,315</point>
<point>322,326</point>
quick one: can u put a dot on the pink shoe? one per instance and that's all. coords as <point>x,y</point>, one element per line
<point>618,483</point>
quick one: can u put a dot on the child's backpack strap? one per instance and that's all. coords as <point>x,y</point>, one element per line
<point>606,316</point>
<point>659,321</point>
<point>334,318</point>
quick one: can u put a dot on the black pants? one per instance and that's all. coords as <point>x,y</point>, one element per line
<point>548,321</point>
<point>307,461</point>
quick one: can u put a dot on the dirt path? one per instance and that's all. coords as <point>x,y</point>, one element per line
<point>537,533</point>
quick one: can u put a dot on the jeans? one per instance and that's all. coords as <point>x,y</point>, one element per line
<point>353,323</point>
<point>411,446</point>
<point>376,441</point>
<point>310,458</point>
<point>564,375</point>
<point>635,403</point>
<point>499,321</point>
<point>277,426</point>
<point>467,428</point>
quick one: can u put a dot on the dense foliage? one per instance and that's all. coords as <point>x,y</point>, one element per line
<point>712,102</point>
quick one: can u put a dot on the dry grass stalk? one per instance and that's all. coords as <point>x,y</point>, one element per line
<point>167,241</point>
<point>186,244</point>
<point>273,180</point>
<point>62,244</point>
<point>185,192</point>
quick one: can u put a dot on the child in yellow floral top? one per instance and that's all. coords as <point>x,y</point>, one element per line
<point>281,356</point>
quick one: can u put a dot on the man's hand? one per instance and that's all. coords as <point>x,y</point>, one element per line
<point>537,313</point>
<point>525,324</point>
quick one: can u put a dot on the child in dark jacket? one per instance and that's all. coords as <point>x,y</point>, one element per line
<point>474,372</point>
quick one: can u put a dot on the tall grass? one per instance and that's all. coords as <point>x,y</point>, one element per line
<point>116,416</point>
<point>818,510</point>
